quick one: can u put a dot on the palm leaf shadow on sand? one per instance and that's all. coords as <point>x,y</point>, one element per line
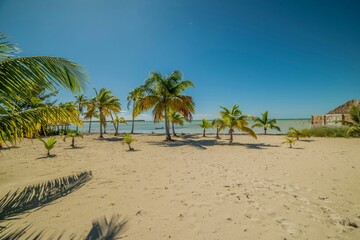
<point>102,229</point>
<point>39,195</point>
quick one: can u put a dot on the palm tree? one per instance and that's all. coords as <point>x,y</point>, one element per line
<point>233,118</point>
<point>164,93</point>
<point>134,96</point>
<point>265,122</point>
<point>81,102</point>
<point>105,103</point>
<point>19,77</point>
<point>205,124</point>
<point>293,132</point>
<point>176,118</point>
<point>118,120</point>
<point>71,108</point>
<point>219,124</point>
<point>290,141</point>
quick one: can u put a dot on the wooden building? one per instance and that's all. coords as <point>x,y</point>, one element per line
<point>335,116</point>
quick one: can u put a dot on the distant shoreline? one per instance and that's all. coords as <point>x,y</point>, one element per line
<point>195,120</point>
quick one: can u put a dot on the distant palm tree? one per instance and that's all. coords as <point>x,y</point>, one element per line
<point>265,122</point>
<point>105,103</point>
<point>163,93</point>
<point>81,102</point>
<point>134,96</point>
<point>234,118</point>
<point>176,118</point>
<point>116,121</point>
<point>219,124</point>
<point>71,108</point>
<point>91,112</point>
<point>205,124</point>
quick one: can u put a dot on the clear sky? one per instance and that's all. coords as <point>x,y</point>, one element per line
<point>294,58</point>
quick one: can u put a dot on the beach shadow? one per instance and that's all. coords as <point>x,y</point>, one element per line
<point>111,139</point>
<point>46,157</point>
<point>102,229</point>
<point>74,148</point>
<point>254,145</point>
<point>199,144</point>
<point>134,150</point>
<point>40,195</point>
<point>107,229</point>
<point>307,140</point>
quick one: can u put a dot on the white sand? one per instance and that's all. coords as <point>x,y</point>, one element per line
<point>197,188</point>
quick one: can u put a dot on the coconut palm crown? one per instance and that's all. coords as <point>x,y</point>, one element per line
<point>234,119</point>
<point>164,93</point>
<point>265,123</point>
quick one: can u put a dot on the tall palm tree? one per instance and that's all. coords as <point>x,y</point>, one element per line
<point>205,124</point>
<point>134,96</point>
<point>176,118</point>
<point>19,76</point>
<point>265,123</point>
<point>163,93</point>
<point>219,124</point>
<point>105,103</point>
<point>81,101</point>
<point>233,119</point>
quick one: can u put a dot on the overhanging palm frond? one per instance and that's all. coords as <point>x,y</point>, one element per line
<point>19,74</point>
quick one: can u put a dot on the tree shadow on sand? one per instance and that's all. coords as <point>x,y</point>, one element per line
<point>39,195</point>
<point>102,229</point>
<point>203,144</point>
<point>110,139</point>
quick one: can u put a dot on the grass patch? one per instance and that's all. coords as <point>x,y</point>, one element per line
<point>326,132</point>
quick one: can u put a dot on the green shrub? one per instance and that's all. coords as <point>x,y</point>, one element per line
<point>326,132</point>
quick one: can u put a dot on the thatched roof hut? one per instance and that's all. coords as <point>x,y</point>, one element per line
<point>344,109</point>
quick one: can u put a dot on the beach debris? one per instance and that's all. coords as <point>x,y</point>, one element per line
<point>138,213</point>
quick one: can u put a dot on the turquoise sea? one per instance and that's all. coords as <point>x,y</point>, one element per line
<point>149,127</point>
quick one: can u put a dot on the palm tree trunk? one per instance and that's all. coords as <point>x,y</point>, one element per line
<point>133,123</point>
<point>231,136</point>
<point>167,127</point>
<point>77,127</point>
<point>73,142</point>
<point>100,117</point>
<point>265,130</point>
<point>90,125</point>
<point>173,129</point>
<point>204,132</point>
<point>217,133</point>
<point>115,125</point>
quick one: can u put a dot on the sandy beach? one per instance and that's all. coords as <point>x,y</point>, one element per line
<point>195,187</point>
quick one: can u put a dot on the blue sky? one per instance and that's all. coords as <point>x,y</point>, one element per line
<point>293,58</point>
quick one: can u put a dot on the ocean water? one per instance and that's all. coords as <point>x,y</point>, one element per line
<point>193,127</point>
